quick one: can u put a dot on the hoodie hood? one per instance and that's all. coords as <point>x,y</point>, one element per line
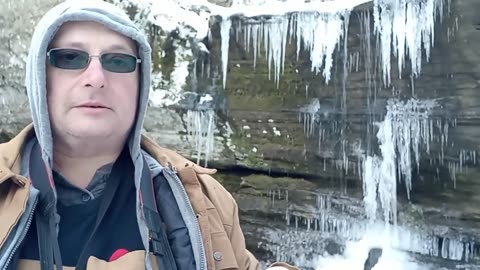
<point>103,13</point>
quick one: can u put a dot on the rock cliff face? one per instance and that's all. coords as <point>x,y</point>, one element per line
<point>293,153</point>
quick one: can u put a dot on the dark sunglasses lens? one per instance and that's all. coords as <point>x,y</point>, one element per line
<point>119,62</point>
<point>68,59</point>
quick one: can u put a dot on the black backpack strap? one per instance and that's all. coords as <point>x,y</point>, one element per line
<point>159,243</point>
<point>45,214</point>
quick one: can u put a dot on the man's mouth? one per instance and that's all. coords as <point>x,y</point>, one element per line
<point>93,105</point>
<point>96,107</point>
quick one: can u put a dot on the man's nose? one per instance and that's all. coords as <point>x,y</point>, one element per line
<point>94,74</point>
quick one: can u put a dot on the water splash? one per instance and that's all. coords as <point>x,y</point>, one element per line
<point>356,252</point>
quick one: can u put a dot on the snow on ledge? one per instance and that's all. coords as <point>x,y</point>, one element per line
<point>278,7</point>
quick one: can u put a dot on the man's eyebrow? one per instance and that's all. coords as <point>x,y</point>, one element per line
<point>114,47</point>
<point>120,47</point>
<point>74,45</point>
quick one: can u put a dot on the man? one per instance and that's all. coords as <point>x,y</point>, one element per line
<point>81,188</point>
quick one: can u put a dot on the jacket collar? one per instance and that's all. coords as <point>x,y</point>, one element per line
<point>10,152</point>
<point>170,158</point>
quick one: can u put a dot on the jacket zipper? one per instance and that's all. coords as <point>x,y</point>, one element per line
<point>172,173</point>
<point>24,233</point>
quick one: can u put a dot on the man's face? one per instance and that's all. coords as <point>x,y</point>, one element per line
<point>91,102</point>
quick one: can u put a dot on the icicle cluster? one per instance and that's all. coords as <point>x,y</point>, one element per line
<point>403,27</point>
<point>318,33</point>
<point>309,116</point>
<point>201,128</point>
<point>327,219</point>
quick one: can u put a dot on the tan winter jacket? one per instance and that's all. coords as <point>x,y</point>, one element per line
<point>214,206</point>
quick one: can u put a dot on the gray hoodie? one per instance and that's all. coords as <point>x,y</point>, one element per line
<point>113,18</point>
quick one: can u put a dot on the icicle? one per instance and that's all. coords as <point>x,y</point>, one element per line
<point>357,62</point>
<point>287,217</point>
<point>255,32</point>
<point>277,46</point>
<point>452,169</point>
<point>383,27</point>
<point>345,54</point>
<point>266,44</point>
<point>467,252</point>
<point>318,33</point>
<point>247,35</point>
<point>345,156</point>
<point>225,26</point>
<point>237,29</point>
<point>273,198</point>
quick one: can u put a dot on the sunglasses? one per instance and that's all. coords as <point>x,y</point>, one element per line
<point>78,59</point>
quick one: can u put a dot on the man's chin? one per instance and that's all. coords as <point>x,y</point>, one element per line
<point>106,131</point>
<point>91,134</point>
